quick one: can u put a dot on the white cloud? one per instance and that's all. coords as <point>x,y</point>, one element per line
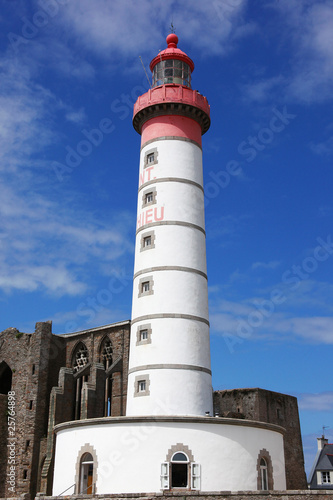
<point>261,90</point>
<point>314,329</point>
<point>79,116</point>
<point>273,264</point>
<point>260,317</point>
<point>316,402</point>
<point>306,30</point>
<point>107,27</point>
<point>324,148</point>
<point>45,245</point>
<point>312,39</point>
<point>25,105</point>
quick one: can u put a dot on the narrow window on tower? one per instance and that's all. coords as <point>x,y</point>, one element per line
<point>149,197</point>
<point>146,286</point>
<point>143,334</point>
<point>147,241</point>
<point>150,158</point>
<point>141,386</point>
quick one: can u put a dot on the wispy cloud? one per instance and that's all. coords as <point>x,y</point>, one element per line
<point>272,264</point>
<point>324,148</point>
<point>305,30</point>
<point>260,317</point>
<point>79,116</point>
<point>322,401</point>
<point>45,240</point>
<point>103,26</point>
<point>46,245</point>
<point>261,90</point>
<point>313,40</point>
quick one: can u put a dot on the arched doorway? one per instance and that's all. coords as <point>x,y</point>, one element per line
<point>86,474</point>
<point>6,375</point>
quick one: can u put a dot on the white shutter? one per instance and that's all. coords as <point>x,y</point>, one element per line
<point>165,476</point>
<point>195,476</point>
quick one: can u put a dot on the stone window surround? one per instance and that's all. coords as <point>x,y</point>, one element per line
<point>146,235</point>
<point>86,448</point>
<point>266,456</point>
<point>185,449</point>
<point>151,285</point>
<point>147,153</point>
<point>147,327</point>
<point>154,200</point>
<point>138,379</point>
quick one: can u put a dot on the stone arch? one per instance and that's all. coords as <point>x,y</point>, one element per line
<point>6,376</point>
<point>264,456</point>
<point>179,447</point>
<point>85,449</point>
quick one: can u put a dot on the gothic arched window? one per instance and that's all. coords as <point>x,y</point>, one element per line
<point>80,357</point>
<point>265,471</point>
<point>106,352</point>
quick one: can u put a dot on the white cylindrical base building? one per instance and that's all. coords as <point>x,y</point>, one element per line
<point>149,455</point>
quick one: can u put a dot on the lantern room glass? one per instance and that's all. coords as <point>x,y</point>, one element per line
<point>172,71</point>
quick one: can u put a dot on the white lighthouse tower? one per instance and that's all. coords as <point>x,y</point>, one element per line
<point>169,365</point>
<point>169,439</point>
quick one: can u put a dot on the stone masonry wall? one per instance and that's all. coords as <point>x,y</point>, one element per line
<point>15,351</point>
<point>227,495</point>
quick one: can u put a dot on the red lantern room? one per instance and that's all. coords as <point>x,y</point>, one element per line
<point>172,65</point>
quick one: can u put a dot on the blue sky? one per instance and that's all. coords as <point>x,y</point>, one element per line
<point>69,157</point>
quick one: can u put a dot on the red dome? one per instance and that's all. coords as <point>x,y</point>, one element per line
<point>172,52</point>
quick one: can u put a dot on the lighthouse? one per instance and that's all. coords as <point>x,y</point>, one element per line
<point>169,364</point>
<point>169,439</point>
